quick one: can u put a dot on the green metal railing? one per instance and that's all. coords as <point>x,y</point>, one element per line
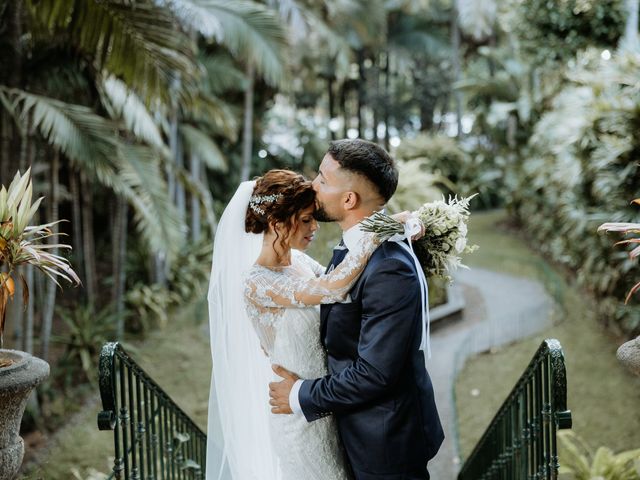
<point>520,443</point>
<point>154,439</point>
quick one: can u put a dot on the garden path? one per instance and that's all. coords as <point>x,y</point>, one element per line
<point>499,309</point>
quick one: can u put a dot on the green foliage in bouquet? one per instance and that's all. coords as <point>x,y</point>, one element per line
<point>22,244</point>
<point>445,236</point>
<point>579,460</point>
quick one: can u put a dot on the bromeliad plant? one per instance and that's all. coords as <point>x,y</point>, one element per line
<point>21,244</point>
<point>632,229</point>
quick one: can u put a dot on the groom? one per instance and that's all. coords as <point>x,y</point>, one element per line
<point>378,389</point>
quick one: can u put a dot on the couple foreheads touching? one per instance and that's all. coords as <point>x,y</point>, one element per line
<point>318,371</point>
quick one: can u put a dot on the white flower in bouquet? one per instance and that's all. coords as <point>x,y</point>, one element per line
<point>445,234</point>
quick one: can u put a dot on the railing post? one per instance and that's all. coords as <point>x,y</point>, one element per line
<point>520,442</point>
<point>145,422</point>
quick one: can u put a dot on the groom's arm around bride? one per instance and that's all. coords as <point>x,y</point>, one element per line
<point>378,387</point>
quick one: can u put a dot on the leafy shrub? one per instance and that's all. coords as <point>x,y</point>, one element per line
<point>87,331</point>
<point>579,460</point>
<point>459,172</point>
<point>557,30</point>
<point>150,305</point>
<point>581,170</point>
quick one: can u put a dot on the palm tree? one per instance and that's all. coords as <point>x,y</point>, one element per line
<point>124,60</point>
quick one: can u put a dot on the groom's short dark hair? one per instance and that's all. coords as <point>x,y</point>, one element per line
<point>368,159</point>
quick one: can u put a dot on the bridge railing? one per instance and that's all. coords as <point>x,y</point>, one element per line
<point>520,443</point>
<point>154,439</point>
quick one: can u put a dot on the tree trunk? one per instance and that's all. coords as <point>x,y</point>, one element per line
<point>11,75</point>
<point>119,263</point>
<point>376,103</point>
<point>343,108</point>
<point>361,86</point>
<point>455,44</point>
<point>196,174</point>
<point>16,312</point>
<point>631,29</point>
<point>50,302</point>
<point>88,241</point>
<point>76,224</point>
<point>28,329</point>
<point>387,99</point>
<point>247,133</point>
<point>332,101</point>
<point>181,198</point>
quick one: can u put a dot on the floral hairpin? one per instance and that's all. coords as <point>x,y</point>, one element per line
<point>257,200</point>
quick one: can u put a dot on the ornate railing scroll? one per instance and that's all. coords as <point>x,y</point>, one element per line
<point>154,439</point>
<point>520,443</point>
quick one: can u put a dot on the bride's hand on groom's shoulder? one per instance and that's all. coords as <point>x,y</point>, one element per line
<point>404,217</point>
<point>279,391</point>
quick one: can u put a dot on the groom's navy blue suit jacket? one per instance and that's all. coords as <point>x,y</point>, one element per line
<point>378,387</point>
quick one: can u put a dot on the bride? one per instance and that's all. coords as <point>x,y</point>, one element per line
<point>263,307</point>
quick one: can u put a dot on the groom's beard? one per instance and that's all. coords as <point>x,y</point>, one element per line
<point>321,214</point>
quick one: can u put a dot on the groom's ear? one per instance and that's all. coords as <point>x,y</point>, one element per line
<point>351,200</point>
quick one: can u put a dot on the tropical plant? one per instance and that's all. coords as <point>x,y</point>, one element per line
<point>20,243</point>
<point>626,229</point>
<point>556,31</point>
<point>580,170</point>
<point>150,305</point>
<point>465,173</point>
<point>86,331</point>
<point>580,461</point>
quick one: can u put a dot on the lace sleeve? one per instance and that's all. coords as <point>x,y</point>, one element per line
<point>283,289</point>
<point>317,268</point>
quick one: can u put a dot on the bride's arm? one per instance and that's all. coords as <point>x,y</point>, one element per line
<point>270,288</point>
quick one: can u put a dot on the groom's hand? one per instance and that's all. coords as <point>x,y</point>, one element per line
<point>279,391</point>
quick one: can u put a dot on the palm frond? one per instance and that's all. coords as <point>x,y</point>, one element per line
<point>123,103</point>
<point>218,115</point>
<point>200,191</point>
<point>138,42</point>
<point>222,74</point>
<point>200,144</point>
<point>86,138</point>
<point>141,182</point>
<point>247,28</point>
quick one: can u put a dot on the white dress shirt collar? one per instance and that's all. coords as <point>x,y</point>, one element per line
<point>351,237</point>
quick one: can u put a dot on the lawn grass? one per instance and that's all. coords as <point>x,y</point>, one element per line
<point>177,358</point>
<point>603,397</point>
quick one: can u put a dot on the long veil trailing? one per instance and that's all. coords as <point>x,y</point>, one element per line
<point>239,446</point>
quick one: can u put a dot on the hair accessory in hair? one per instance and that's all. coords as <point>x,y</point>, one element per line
<point>257,200</point>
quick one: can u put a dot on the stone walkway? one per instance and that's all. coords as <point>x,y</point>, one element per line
<point>499,310</point>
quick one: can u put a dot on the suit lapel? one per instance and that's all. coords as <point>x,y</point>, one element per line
<point>338,256</point>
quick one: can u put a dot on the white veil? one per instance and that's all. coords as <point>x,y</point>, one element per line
<point>239,445</point>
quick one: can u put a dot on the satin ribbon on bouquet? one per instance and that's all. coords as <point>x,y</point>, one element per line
<point>412,227</point>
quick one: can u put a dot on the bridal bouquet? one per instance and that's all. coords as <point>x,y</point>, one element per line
<point>445,237</point>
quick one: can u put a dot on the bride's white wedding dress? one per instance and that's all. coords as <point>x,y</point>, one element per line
<point>282,304</point>
<point>290,336</point>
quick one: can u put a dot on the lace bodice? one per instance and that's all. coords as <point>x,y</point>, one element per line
<point>268,291</point>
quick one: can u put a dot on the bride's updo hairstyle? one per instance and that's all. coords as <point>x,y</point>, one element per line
<point>278,197</point>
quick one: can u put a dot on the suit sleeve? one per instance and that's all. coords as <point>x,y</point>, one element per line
<point>391,298</point>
